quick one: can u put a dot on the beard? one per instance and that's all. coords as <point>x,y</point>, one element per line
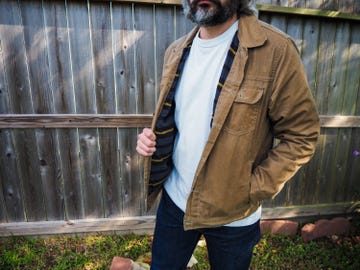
<point>206,16</point>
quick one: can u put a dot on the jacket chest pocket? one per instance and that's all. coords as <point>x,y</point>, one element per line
<point>244,112</point>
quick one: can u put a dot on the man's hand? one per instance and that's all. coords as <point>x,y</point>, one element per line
<point>146,143</point>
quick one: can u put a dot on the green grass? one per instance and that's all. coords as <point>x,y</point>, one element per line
<point>286,252</point>
<point>96,252</point>
<point>69,252</point>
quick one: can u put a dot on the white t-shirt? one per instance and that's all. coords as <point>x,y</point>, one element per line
<point>194,99</point>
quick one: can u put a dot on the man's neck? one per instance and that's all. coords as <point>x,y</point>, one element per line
<point>214,31</point>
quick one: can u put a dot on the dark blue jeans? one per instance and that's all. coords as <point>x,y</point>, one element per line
<point>229,248</point>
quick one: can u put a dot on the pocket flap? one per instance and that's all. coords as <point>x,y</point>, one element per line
<point>249,95</point>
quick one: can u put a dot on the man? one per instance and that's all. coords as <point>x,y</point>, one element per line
<point>228,89</point>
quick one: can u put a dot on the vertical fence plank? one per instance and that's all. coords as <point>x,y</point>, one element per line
<point>279,22</point>
<point>324,69</point>
<point>165,29</point>
<point>35,43</point>
<point>14,55</point>
<point>101,24</point>
<point>146,68</point>
<point>125,38</point>
<point>83,79</point>
<point>351,100</point>
<point>4,91</point>
<point>100,17</point>
<point>309,50</point>
<point>28,160</point>
<point>337,92</point>
<point>309,55</point>
<point>295,29</point>
<point>144,16</point>
<point>57,36</point>
<point>144,58</point>
<point>4,141</point>
<point>24,148</point>
<point>337,84</point>
<point>11,208</point>
<point>292,190</point>
<point>36,46</point>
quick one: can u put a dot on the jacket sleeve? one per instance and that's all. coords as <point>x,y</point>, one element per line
<point>294,122</point>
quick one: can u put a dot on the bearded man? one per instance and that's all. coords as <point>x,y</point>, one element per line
<point>229,88</point>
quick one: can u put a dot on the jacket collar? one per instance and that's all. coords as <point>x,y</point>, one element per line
<point>250,33</point>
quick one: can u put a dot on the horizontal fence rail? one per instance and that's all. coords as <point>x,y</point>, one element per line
<point>308,12</point>
<point>125,121</point>
<point>146,224</point>
<point>75,121</point>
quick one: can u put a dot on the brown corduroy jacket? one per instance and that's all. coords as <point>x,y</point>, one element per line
<point>265,97</point>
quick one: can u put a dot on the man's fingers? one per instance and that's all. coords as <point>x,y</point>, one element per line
<point>149,134</point>
<point>146,142</point>
<point>145,149</point>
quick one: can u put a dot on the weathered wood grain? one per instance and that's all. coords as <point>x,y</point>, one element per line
<point>337,158</point>
<point>24,121</point>
<point>75,120</point>
<point>42,102</point>
<point>24,145</point>
<point>126,37</point>
<point>82,62</point>
<point>102,40</point>
<point>295,29</point>
<point>163,37</point>
<point>11,207</point>
<point>144,68</point>
<point>344,10</point>
<point>57,35</point>
<point>309,51</point>
<point>145,72</point>
<point>279,22</point>
<point>10,193</point>
<point>146,224</point>
<point>140,225</point>
<point>351,105</point>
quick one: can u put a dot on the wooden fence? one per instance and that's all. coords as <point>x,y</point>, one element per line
<point>78,79</point>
